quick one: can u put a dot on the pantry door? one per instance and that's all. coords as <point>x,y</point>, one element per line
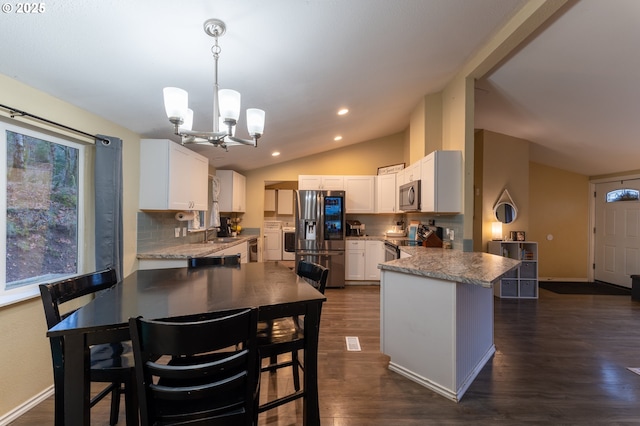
<point>617,233</point>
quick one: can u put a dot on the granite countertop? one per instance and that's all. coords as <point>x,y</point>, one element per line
<point>452,265</point>
<point>185,251</point>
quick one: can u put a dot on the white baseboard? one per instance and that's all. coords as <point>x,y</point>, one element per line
<point>563,279</point>
<point>26,406</point>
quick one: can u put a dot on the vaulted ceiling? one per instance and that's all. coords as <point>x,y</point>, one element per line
<point>570,89</point>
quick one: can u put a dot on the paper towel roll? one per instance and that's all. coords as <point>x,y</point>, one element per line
<point>185,216</point>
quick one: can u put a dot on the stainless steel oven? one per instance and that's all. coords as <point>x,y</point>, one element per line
<point>391,251</point>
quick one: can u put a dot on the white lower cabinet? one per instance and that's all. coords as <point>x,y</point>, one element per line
<point>355,258</point>
<point>241,248</point>
<point>362,259</point>
<point>374,255</point>
<point>272,245</point>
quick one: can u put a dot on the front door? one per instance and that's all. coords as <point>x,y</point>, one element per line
<point>617,233</point>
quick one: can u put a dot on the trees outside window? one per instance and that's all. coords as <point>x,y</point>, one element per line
<point>42,207</point>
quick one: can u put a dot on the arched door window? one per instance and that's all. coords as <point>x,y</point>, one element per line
<point>623,195</point>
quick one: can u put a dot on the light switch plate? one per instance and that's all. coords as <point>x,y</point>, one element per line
<point>177,231</point>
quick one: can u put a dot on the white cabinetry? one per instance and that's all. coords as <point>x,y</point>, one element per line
<point>233,187</point>
<point>413,172</point>
<point>172,177</point>
<point>241,249</point>
<point>362,259</point>
<point>521,282</point>
<point>441,182</point>
<point>324,182</point>
<point>272,244</point>
<point>355,253</point>
<point>285,201</point>
<point>374,255</point>
<point>269,200</point>
<point>386,194</point>
<point>360,194</point>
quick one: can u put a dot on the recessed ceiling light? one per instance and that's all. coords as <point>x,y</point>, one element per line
<point>343,111</point>
<point>275,153</point>
<point>337,138</point>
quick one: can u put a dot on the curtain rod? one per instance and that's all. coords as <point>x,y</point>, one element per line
<point>16,112</point>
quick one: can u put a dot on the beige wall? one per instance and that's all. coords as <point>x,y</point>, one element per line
<point>550,201</point>
<point>26,356</point>
<point>559,206</point>
<point>358,159</point>
<point>505,166</point>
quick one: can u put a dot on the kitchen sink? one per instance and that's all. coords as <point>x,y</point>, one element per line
<point>221,240</point>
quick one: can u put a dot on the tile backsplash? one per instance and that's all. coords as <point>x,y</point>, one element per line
<point>156,230</point>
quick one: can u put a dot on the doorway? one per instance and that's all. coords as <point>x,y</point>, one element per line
<point>617,231</point>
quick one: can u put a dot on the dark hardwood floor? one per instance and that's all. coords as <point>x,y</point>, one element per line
<point>561,359</point>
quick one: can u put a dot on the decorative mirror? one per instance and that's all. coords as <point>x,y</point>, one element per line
<point>505,209</point>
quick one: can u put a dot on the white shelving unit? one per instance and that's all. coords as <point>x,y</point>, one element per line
<point>521,283</point>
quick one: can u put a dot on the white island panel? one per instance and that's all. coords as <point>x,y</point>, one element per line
<point>438,333</point>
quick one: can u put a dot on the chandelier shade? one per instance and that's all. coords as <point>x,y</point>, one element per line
<point>226,107</point>
<point>255,121</point>
<point>176,103</point>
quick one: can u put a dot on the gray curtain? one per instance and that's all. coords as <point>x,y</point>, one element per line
<point>108,203</point>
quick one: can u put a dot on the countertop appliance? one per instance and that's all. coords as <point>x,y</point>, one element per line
<point>225,227</point>
<point>355,228</point>
<point>409,196</point>
<point>320,218</point>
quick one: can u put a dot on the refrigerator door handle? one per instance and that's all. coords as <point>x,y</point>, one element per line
<point>320,215</point>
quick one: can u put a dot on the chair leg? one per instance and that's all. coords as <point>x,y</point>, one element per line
<point>115,404</point>
<point>59,407</point>
<point>273,360</point>
<point>296,370</point>
<point>131,401</point>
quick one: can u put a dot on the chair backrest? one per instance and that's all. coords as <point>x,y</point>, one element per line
<point>55,294</point>
<point>181,379</point>
<point>224,260</point>
<point>314,274</point>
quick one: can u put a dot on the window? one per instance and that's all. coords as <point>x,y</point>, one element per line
<point>623,195</point>
<point>42,209</point>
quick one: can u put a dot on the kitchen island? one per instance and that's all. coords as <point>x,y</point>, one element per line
<point>436,315</point>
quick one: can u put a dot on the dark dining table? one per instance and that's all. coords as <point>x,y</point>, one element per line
<point>163,293</point>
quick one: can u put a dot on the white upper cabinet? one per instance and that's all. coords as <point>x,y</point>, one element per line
<point>323,182</point>
<point>172,177</point>
<point>269,200</point>
<point>360,194</point>
<point>441,182</point>
<point>413,172</point>
<point>285,201</point>
<point>386,194</point>
<point>233,188</point>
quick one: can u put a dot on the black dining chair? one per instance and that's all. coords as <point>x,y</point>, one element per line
<point>223,260</point>
<point>110,363</point>
<point>286,336</point>
<point>184,378</point>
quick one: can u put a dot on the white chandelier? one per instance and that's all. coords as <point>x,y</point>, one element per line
<point>226,107</point>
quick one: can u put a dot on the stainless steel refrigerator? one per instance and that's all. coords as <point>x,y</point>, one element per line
<point>320,231</point>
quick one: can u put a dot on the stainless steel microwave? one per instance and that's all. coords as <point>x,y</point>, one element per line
<point>409,196</point>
